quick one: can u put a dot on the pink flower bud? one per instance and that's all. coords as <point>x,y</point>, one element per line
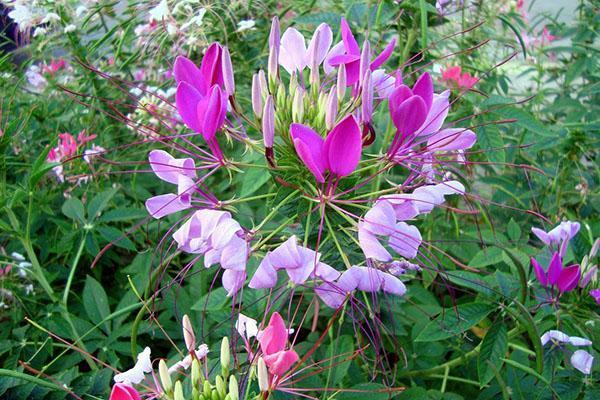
<point>228,79</point>
<point>262,81</point>
<point>367,98</point>
<point>331,108</point>
<point>188,333</point>
<point>257,103</point>
<point>274,43</point>
<point>268,122</point>
<point>341,82</point>
<point>365,60</point>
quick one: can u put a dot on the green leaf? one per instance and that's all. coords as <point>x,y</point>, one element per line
<point>371,391</point>
<point>493,348</point>
<point>253,180</point>
<point>513,230</point>
<point>340,350</point>
<point>73,208</point>
<point>485,257</point>
<point>95,303</point>
<point>123,214</point>
<point>99,203</point>
<point>453,322</point>
<point>116,237</point>
<point>40,167</point>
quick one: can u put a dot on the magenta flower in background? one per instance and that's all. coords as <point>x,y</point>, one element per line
<point>339,153</point>
<point>220,238</point>
<point>178,171</point>
<point>273,343</point>
<point>595,293</point>
<point>300,263</point>
<point>124,392</point>
<point>565,279</point>
<point>559,237</point>
<point>347,52</point>
<point>366,279</point>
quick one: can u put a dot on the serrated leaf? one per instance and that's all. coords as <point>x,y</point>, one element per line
<point>485,257</point>
<point>453,322</point>
<point>95,302</point>
<point>493,348</point>
<point>252,180</point>
<point>73,208</point>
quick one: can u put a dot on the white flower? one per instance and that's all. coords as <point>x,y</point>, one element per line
<point>28,289</point>
<point>39,31</point>
<point>50,17</point>
<point>79,11</point>
<point>90,153</point>
<point>35,78</point>
<point>245,24</point>
<point>201,352</point>
<point>160,12</point>
<point>136,374</point>
<point>22,17</point>
<point>195,20</point>
<point>246,326</point>
<point>70,28</point>
<point>17,256</point>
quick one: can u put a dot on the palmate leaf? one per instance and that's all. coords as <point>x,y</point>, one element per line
<point>452,322</point>
<point>493,349</point>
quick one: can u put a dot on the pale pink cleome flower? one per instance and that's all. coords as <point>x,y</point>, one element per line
<point>559,237</point>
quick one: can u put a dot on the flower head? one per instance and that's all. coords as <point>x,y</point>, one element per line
<point>563,278</point>
<point>559,237</point>
<point>273,344</point>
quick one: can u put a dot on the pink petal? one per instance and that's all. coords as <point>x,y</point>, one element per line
<point>554,269</point>
<point>233,281</point>
<point>539,272</point>
<point>349,42</point>
<point>336,50</point>
<point>325,39</point>
<point>211,68</point>
<point>343,146</point>
<point>186,71</point>
<point>406,240</point>
<point>399,96</point>
<point>424,88</point>
<point>168,168</point>
<point>121,391</point>
<point>380,219</point>
<point>292,53</point>
<point>569,278</point>
<point>275,336</point>
<point>309,146</point>
<point>343,59</point>
<point>371,246</point>
<point>265,276</point>
<point>187,100</point>
<point>410,115</point>
<point>542,235</point>
<point>213,114</point>
<point>165,204</point>
<point>384,55</point>
<point>451,140</point>
<point>437,114</point>
<point>280,362</point>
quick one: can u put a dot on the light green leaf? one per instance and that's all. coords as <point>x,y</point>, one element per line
<point>95,303</point>
<point>73,208</point>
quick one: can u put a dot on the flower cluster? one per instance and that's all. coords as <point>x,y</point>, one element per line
<point>69,147</point>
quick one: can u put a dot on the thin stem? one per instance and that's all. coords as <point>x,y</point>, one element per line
<point>73,268</point>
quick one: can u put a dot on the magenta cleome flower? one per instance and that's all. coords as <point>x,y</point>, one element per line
<point>339,153</point>
<point>273,344</point>
<point>121,391</point>
<point>595,293</point>
<point>564,279</point>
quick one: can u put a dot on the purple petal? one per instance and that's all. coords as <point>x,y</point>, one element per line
<point>406,240</point>
<point>410,115</point>
<point>228,77</point>
<point>326,272</point>
<point>168,168</point>
<point>539,272</point>
<point>211,68</point>
<point>331,295</point>
<point>187,100</point>
<point>214,114</point>
<point>186,71</point>
<point>554,269</point>
<point>367,279</point>
<point>383,83</point>
<point>384,55</point>
<point>235,254</point>
<point>336,50</point>
<point>292,54</point>
<point>325,39</point>
<point>380,219</point>
<point>343,146</point>
<point>391,284</point>
<point>309,146</point>
<point>349,42</point>
<point>542,235</point>
<point>343,59</point>
<point>451,140</point>
<point>399,95</point>
<point>165,204</point>
<point>555,335</point>
<point>437,114</point>
<point>582,361</point>
<point>264,277</point>
<point>371,246</point>
<point>424,88</point>
<point>233,281</point>
<point>569,278</point>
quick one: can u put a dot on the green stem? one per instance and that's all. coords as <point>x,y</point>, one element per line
<point>275,209</point>
<point>72,271</point>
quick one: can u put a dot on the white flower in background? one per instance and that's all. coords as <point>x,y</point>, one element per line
<point>17,256</point>
<point>50,17</point>
<point>160,12</point>
<point>28,289</point>
<point>245,24</point>
<point>201,352</point>
<point>35,78</point>
<point>39,31</point>
<point>22,16</point>
<point>70,28</point>
<point>79,11</point>
<point>246,326</point>
<point>136,374</point>
<point>90,153</point>
<point>195,20</point>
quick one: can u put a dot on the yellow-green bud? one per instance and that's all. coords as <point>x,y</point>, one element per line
<point>207,389</point>
<point>234,392</point>
<point>214,395</point>
<point>178,394</point>
<point>188,333</point>
<point>225,353</point>
<point>165,377</point>
<point>220,385</point>
<point>293,83</point>
<point>196,374</point>
<point>298,105</point>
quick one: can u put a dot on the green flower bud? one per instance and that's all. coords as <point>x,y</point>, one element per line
<point>207,389</point>
<point>214,395</point>
<point>178,394</point>
<point>225,355</point>
<point>165,377</point>
<point>234,392</point>
<point>196,374</point>
<point>220,386</point>
<point>293,83</point>
<point>298,106</point>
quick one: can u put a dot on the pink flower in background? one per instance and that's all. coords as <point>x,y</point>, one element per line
<point>121,391</point>
<point>347,52</point>
<point>299,262</point>
<point>339,153</point>
<point>84,138</point>
<point>547,37</point>
<point>564,279</point>
<point>454,77</point>
<point>273,343</point>
<point>595,293</point>
<point>54,66</point>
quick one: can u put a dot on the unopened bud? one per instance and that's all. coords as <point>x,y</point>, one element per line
<point>214,395</point>
<point>262,80</point>
<point>298,106</point>
<point>225,353</point>
<point>178,393</point>
<point>365,61</point>
<point>366,106</point>
<point>234,391</point>
<point>263,375</point>
<point>293,83</point>
<point>257,100</point>
<point>341,82</point>
<point>268,130</point>
<point>188,333</point>
<point>207,389</point>
<point>273,66</point>
<point>314,61</point>
<point>165,377</point>
<point>331,108</point>
<point>196,374</point>
<point>595,248</point>
<point>274,43</point>
<point>228,78</point>
<point>220,386</point>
